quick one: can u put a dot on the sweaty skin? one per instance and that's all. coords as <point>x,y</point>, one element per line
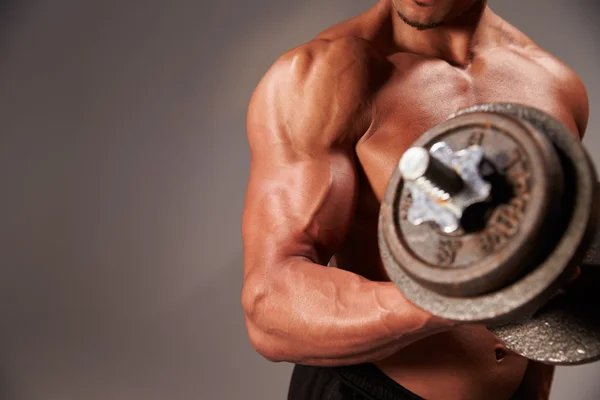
<point>326,127</point>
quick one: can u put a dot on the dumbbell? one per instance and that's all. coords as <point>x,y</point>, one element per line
<point>487,218</point>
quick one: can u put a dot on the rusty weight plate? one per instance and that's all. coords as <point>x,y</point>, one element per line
<point>566,330</point>
<point>524,296</point>
<point>496,238</point>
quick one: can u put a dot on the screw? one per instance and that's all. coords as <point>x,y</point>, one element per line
<point>434,177</point>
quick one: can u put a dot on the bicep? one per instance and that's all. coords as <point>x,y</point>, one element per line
<point>303,123</point>
<point>576,97</point>
<point>298,206</point>
<point>579,100</point>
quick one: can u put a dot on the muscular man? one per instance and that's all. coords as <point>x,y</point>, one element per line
<point>326,127</point>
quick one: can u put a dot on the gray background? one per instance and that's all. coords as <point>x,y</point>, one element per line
<point>123,165</point>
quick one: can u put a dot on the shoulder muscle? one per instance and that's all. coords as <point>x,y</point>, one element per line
<point>314,97</point>
<point>569,85</point>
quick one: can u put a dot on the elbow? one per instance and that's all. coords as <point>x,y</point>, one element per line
<point>264,344</point>
<point>264,321</point>
<point>254,299</point>
<point>254,296</point>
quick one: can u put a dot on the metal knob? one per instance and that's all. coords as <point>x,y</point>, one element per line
<point>443,183</point>
<point>430,174</point>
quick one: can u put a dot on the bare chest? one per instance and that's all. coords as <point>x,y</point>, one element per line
<point>421,93</point>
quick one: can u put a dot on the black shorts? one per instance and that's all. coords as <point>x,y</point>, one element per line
<point>359,382</point>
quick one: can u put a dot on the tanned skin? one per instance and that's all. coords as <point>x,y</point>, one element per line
<point>326,127</point>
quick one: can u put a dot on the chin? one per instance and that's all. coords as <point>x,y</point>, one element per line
<point>420,23</point>
<point>423,14</point>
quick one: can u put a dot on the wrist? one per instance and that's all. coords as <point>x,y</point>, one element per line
<point>408,316</point>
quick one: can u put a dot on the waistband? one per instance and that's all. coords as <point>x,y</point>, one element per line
<point>373,383</point>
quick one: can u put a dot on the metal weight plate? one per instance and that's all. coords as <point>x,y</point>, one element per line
<point>505,234</point>
<point>524,296</point>
<point>566,330</point>
<point>592,254</point>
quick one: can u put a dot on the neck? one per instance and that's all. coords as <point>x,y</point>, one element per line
<point>451,41</point>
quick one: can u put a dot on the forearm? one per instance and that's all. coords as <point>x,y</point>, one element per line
<point>317,315</point>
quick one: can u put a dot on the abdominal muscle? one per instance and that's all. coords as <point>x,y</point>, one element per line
<point>466,363</point>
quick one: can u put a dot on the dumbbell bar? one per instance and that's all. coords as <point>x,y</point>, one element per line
<point>489,224</point>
